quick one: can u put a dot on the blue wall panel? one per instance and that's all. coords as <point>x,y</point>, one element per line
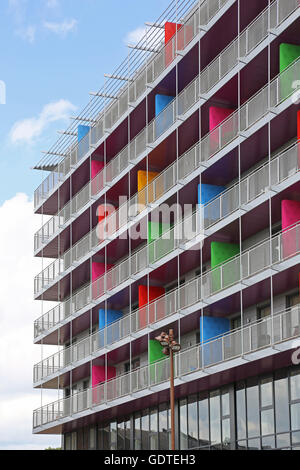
<point>106,318</point>
<point>207,192</point>
<point>163,120</point>
<point>82,132</point>
<point>209,329</point>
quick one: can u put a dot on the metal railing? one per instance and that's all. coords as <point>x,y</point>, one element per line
<point>240,47</point>
<point>247,264</point>
<point>259,335</point>
<point>252,186</point>
<point>147,74</point>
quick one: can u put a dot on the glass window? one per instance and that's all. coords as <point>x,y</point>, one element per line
<point>104,438</point>
<point>163,429</point>
<point>225,404</point>
<point>183,424</point>
<point>74,440</point>
<point>266,392</point>
<point>215,418</point>
<point>226,435</point>
<point>252,410</point>
<point>203,420</point>
<point>283,440</point>
<point>127,434</point>
<point>268,443</point>
<point>121,436</point>
<point>267,422</point>
<point>253,444</point>
<point>153,430</point>
<point>292,300</point>
<point>295,416</point>
<point>263,312</point>
<point>241,411</point>
<point>145,430</point>
<point>113,436</point>
<point>68,442</point>
<point>137,432</point>
<point>295,437</point>
<point>192,422</point>
<point>295,385</point>
<point>281,405</point>
<point>92,438</point>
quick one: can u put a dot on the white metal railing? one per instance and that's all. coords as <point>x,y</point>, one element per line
<point>250,262</point>
<point>147,75</point>
<point>252,186</point>
<point>250,38</point>
<point>259,335</point>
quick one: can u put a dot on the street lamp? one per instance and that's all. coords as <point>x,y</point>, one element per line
<point>170,347</point>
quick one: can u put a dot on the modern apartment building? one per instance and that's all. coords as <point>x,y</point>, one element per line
<point>173,201</point>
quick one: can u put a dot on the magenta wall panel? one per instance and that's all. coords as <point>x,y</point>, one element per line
<point>96,167</point>
<point>98,374</point>
<point>290,215</point>
<point>98,288</point>
<point>290,212</point>
<point>217,115</point>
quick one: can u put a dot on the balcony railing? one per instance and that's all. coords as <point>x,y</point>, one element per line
<point>241,47</point>
<point>285,165</point>
<point>259,335</point>
<point>260,257</point>
<point>148,74</point>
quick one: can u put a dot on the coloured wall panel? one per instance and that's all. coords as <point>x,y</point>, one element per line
<point>213,211</point>
<point>288,53</point>
<point>144,179</point>
<point>106,318</point>
<point>223,276</point>
<point>210,328</point>
<point>148,313</point>
<point>290,215</point>
<point>170,46</point>
<point>298,136</point>
<point>156,355</point>
<point>99,376</point>
<point>82,132</point>
<point>96,167</point>
<point>164,114</point>
<point>98,288</point>
<point>220,136</point>
<point>163,246</point>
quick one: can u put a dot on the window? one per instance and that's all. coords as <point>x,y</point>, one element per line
<point>193,422</point>
<point>183,424</point>
<point>263,312</point>
<point>203,420</point>
<point>153,430</point>
<point>236,323</point>
<point>137,432</point>
<point>215,418</point>
<point>252,400</point>
<point>292,300</point>
<point>164,427</point>
<point>92,438</point>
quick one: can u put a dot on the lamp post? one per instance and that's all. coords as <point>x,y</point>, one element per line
<point>170,347</point>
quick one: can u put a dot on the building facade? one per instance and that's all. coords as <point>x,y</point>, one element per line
<point>173,201</point>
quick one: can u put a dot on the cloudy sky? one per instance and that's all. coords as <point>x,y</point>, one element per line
<point>53,52</point>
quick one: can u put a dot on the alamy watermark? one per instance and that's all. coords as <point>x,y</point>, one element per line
<point>177,223</point>
<point>2,92</point>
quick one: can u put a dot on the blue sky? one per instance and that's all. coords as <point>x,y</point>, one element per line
<point>53,52</point>
<point>56,50</point>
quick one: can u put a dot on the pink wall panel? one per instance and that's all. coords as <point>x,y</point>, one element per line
<point>98,374</point>
<point>217,115</point>
<point>96,167</point>
<point>290,215</point>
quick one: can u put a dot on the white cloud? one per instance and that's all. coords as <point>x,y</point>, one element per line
<point>29,129</point>
<point>17,314</point>
<point>133,37</point>
<point>63,28</point>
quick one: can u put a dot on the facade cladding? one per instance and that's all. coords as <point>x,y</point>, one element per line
<point>173,201</point>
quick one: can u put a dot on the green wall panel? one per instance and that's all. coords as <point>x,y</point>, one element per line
<point>288,53</point>
<point>156,355</point>
<point>224,276</point>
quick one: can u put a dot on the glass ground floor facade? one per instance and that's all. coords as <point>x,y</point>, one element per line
<point>257,413</point>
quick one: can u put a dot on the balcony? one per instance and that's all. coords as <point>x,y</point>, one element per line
<point>147,74</point>
<point>246,268</point>
<point>263,338</point>
<point>283,169</point>
<point>225,65</point>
